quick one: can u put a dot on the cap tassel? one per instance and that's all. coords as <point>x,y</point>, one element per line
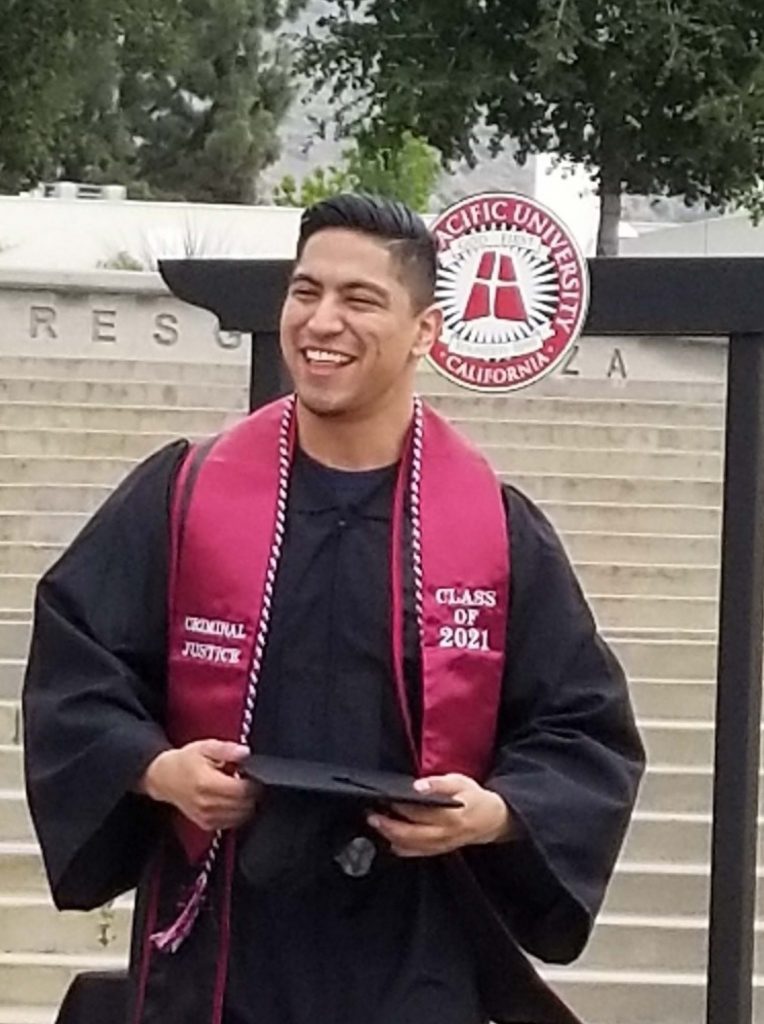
<point>171,939</point>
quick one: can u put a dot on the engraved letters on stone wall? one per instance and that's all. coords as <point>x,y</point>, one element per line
<point>98,323</point>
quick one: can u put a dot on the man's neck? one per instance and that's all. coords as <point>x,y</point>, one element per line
<point>355,442</point>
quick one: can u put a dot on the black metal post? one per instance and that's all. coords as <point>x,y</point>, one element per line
<point>738,700</point>
<point>267,376</point>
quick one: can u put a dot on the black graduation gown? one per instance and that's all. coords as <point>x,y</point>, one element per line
<point>568,761</point>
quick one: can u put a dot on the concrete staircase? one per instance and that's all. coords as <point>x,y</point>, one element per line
<point>631,477</point>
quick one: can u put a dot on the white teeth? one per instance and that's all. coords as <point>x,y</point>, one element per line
<point>318,355</point>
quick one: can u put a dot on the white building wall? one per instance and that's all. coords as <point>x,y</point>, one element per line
<point>731,235</point>
<point>81,234</point>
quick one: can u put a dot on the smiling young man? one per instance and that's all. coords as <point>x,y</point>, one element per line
<point>339,579</point>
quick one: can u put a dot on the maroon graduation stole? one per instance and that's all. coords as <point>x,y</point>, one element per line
<point>227,530</point>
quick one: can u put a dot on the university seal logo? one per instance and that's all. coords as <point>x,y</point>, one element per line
<point>514,291</point>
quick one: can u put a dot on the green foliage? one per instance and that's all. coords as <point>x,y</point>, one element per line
<point>319,184</point>
<point>37,45</point>
<point>209,121</point>
<point>406,169</point>
<point>652,96</point>
<point>122,260</point>
<point>178,99</point>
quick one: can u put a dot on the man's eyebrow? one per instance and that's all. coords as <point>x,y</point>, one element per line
<point>300,277</point>
<point>303,277</point>
<point>368,286</point>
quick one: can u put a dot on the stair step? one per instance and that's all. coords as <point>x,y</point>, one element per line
<point>671,889</point>
<point>672,837</point>
<point>678,743</point>
<point>120,371</point>
<point>633,518</point>
<point>645,581</point>
<point>659,888</point>
<point>151,394</point>
<point>21,867</point>
<point>65,469</point>
<point>614,489</point>
<point>30,498</point>
<point>40,979</point>
<point>116,443</point>
<point>680,788</point>
<point>650,943</point>
<point>31,924</point>
<point>50,416</point>
<point>28,1014</point>
<point>639,997</point>
<point>669,659</point>
<point>565,433</point>
<point>618,411</point>
<point>11,770</point>
<point>667,384</point>
<point>10,723</point>
<point>657,611</point>
<point>637,548</point>
<point>680,699</point>
<point>41,528</point>
<point>15,821</point>
<point>14,638</point>
<point>26,558</point>
<point>663,465</point>
<point>11,676</point>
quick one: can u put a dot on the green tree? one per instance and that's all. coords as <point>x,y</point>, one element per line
<point>209,123</point>
<point>37,44</point>
<point>651,96</point>
<point>406,169</point>
<point>59,80</point>
<point>137,41</point>
<point>177,99</point>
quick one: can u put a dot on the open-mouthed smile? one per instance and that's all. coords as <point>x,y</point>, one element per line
<point>326,357</point>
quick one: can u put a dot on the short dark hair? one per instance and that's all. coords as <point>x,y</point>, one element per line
<point>412,246</point>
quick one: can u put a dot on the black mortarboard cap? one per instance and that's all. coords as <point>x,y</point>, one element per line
<point>311,820</point>
<point>370,788</point>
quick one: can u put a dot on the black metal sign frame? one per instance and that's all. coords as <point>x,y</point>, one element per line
<point>652,296</point>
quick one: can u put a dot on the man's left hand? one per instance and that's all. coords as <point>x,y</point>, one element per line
<point>428,831</point>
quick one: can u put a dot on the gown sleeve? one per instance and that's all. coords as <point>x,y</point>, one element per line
<point>569,757</point>
<point>94,691</point>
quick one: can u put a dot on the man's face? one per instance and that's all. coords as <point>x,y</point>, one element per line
<point>350,334</point>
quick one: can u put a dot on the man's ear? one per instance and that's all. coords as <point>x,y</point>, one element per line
<point>430,327</point>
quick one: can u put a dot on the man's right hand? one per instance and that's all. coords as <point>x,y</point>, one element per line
<point>197,780</point>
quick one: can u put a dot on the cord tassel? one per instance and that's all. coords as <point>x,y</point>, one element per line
<point>171,939</point>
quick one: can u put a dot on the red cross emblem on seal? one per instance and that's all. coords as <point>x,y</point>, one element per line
<point>514,290</point>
